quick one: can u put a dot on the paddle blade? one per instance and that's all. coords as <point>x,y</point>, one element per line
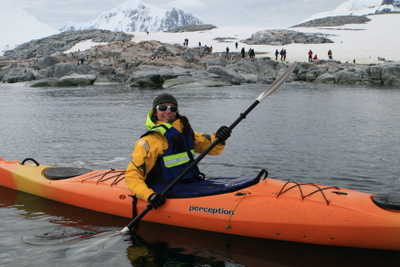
<point>53,235</point>
<point>277,83</point>
<point>93,246</point>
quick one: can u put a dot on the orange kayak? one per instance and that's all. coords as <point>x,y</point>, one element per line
<point>268,208</point>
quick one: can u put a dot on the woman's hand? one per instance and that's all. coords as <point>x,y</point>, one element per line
<point>156,200</point>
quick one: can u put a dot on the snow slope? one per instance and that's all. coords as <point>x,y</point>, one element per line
<point>362,42</point>
<point>357,8</point>
<point>17,26</point>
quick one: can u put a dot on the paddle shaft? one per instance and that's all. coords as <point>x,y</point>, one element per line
<point>274,86</point>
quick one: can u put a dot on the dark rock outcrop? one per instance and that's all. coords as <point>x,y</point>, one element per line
<point>61,42</point>
<point>284,37</point>
<point>66,81</point>
<point>193,28</point>
<point>334,21</point>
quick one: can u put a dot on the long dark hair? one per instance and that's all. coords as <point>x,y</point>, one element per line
<point>187,128</point>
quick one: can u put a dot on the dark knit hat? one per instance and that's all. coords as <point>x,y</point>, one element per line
<point>164,98</point>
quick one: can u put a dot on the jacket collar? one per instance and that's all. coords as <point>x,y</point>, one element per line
<point>177,123</point>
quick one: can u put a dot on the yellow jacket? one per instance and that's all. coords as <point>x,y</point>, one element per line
<point>149,148</point>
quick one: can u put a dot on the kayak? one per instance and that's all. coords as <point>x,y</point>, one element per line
<point>260,207</point>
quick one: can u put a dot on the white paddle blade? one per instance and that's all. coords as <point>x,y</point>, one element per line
<point>277,83</point>
<point>89,248</point>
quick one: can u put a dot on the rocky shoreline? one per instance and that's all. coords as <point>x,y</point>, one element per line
<point>44,63</point>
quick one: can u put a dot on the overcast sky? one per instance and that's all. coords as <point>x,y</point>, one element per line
<point>249,13</point>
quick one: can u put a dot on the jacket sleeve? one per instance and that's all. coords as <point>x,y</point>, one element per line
<point>144,157</point>
<point>203,141</point>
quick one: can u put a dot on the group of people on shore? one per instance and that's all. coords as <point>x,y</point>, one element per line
<point>311,58</point>
<point>281,53</point>
<point>186,42</point>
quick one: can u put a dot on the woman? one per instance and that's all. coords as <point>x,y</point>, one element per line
<point>162,153</point>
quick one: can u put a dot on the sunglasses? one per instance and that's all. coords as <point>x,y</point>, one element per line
<point>162,107</point>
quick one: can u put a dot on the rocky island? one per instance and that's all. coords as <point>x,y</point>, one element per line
<point>47,63</point>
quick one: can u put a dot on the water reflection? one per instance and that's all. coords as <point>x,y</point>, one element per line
<point>161,245</point>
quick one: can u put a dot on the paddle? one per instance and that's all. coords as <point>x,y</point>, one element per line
<point>86,250</point>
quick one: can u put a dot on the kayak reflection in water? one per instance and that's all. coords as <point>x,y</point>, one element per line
<point>141,254</point>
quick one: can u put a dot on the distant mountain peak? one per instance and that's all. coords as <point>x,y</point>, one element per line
<point>136,16</point>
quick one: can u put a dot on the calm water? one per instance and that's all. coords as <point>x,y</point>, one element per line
<point>332,135</point>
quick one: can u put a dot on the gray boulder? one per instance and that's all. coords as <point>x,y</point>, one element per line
<point>350,76</point>
<point>51,82</point>
<point>375,72</point>
<point>17,75</point>
<point>63,69</point>
<point>217,61</point>
<point>325,78</point>
<point>73,79</point>
<point>227,74</point>
<point>146,77</point>
<point>190,82</point>
<point>261,67</point>
<point>77,80</point>
<point>173,72</point>
<point>46,62</point>
<point>253,78</point>
<point>391,74</point>
<point>152,76</point>
<point>195,80</point>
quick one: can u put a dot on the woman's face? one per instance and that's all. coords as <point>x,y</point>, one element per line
<point>167,114</point>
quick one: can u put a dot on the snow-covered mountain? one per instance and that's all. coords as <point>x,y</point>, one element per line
<point>359,8</point>
<point>135,16</point>
<point>17,26</point>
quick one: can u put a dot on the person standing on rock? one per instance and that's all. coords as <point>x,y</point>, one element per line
<point>166,150</point>
<point>227,50</point>
<point>243,52</point>
<point>310,58</point>
<point>236,45</point>
<point>252,53</point>
<point>276,54</point>
<point>330,54</point>
<point>283,54</point>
